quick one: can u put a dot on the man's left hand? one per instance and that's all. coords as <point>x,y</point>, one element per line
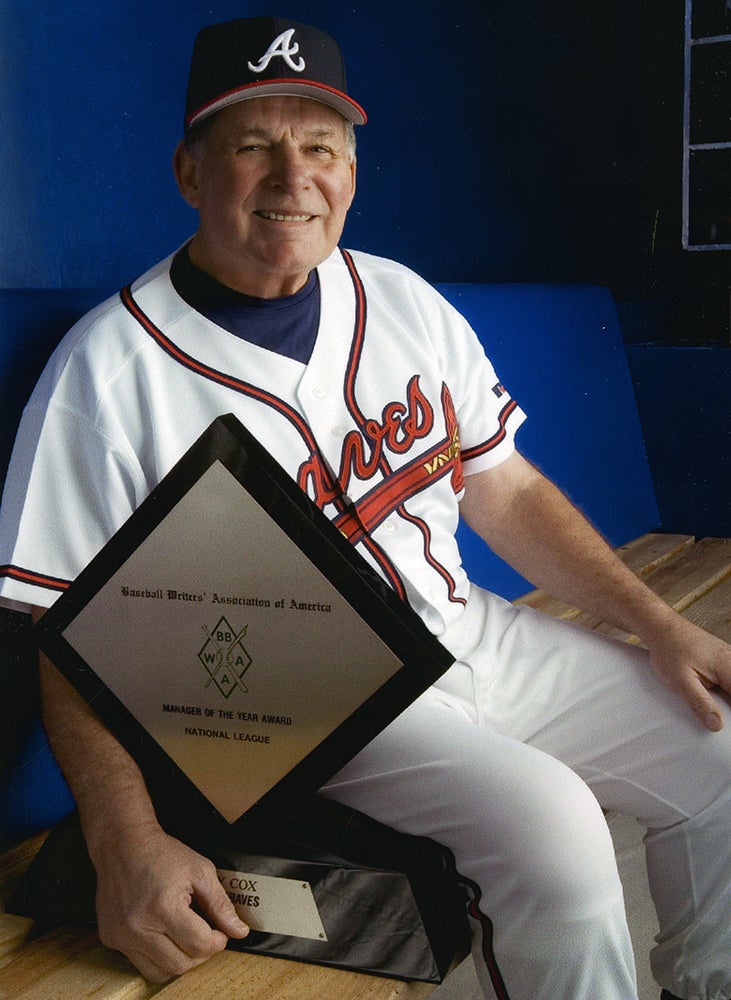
<point>693,662</point>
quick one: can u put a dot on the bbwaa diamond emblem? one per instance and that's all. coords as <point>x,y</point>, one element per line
<point>225,658</point>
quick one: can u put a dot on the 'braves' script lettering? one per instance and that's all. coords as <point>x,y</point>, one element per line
<point>400,427</point>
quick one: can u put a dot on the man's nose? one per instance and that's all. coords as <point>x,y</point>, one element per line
<point>289,169</point>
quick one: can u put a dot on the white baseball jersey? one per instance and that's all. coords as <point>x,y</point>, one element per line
<point>396,402</point>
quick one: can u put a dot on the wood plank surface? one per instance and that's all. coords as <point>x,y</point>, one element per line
<point>643,556</point>
<point>15,861</point>
<point>238,976</point>
<point>689,575</point>
<point>681,580</point>
<point>46,960</point>
<point>14,934</point>
<point>646,553</point>
<point>713,611</point>
<point>95,974</point>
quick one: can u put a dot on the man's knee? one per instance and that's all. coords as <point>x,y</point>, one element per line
<point>540,833</point>
<point>566,858</point>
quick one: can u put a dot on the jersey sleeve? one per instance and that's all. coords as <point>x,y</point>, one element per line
<point>487,416</point>
<point>488,420</point>
<point>69,487</point>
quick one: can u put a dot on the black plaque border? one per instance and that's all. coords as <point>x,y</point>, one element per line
<point>423,658</point>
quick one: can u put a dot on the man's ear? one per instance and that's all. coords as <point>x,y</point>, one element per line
<point>185,168</point>
<point>353,173</point>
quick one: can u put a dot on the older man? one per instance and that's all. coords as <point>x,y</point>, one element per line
<point>343,362</point>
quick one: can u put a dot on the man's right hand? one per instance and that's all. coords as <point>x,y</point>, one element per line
<point>161,904</point>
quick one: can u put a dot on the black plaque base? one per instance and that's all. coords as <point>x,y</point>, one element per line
<point>387,903</point>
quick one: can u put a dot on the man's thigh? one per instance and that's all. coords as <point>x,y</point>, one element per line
<point>595,704</point>
<point>434,772</point>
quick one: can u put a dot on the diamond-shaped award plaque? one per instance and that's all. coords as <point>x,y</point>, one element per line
<point>234,641</point>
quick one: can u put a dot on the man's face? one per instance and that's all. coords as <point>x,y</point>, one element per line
<point>272,180</point>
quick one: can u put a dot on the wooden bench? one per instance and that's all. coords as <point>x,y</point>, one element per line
<point>70,964</point>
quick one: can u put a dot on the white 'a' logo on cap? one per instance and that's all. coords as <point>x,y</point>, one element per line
<point>283,47</point>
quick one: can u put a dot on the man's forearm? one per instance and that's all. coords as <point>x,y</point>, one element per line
<point>540,533</point>
<point>104,780</point>
<point>157,901</point>
<point>529,522</point>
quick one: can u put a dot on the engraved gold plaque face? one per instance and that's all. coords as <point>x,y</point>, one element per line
<point>232,639</point>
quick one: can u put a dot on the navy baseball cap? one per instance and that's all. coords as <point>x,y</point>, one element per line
<point>261,56</point>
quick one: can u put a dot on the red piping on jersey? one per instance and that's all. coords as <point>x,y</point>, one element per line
<point>356,348</point>
<point>238,385</point>
<point>396,506</point>
<point>388,496</point>
<point>334,491</point>
<point>497,437</point>
<point>487,931</point>
<point>246,388</point>
<point>34,579</point>
<point>436,566</point>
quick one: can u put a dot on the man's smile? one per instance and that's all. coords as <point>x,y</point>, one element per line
<point>281,217</point>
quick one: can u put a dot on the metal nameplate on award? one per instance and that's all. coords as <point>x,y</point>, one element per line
<point>242,651</point>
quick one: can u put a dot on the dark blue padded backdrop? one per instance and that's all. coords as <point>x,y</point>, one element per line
<point>683,398</point>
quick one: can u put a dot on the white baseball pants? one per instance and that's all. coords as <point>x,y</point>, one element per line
<point>508,762</point>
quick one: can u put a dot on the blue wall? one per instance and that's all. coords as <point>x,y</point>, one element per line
<point>684,401</point>
<point>93,98</point>
<point>509,140</point>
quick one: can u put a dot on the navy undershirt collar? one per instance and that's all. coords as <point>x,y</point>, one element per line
<point>285,325</point>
